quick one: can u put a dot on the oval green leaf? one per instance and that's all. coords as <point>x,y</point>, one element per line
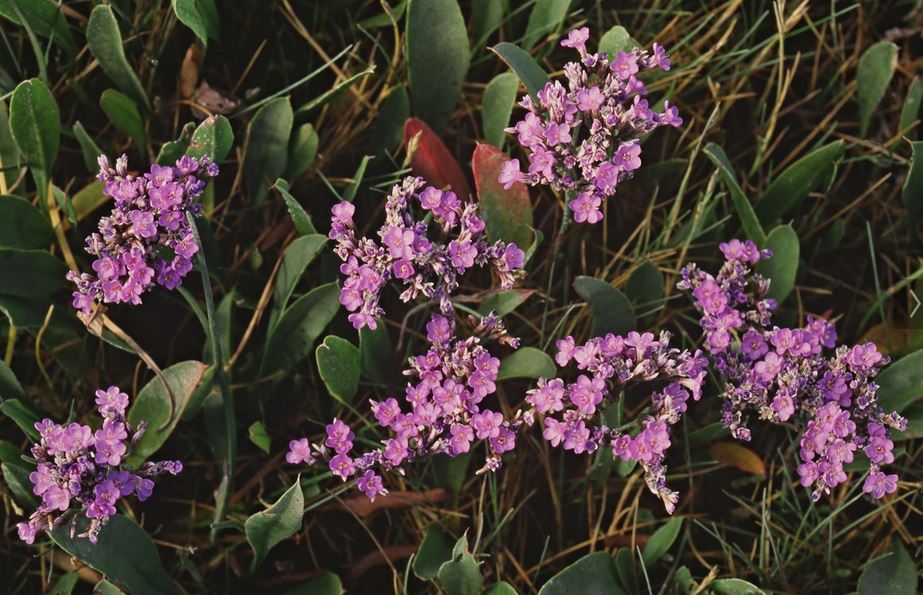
<point>280,521</point>
<point>266,147</point>
<point>460,575</point>
<point>299,254</point>
<point>338,366</point>
<point>105,41</point>
<point>748,219</point>
<point>497,106</point>
<point>434,551</point>
<point>300,217</point>
<point>213,137</point>
<point>661,541</point>
<point>527,362</point>
<point>901,383</point>
<point>783,266</point>
<point>876,68</point>
<point>124,114</point>
<point>793,184</point>
<point>593,574</point>
<point>22,225</point>
<point>302,149</point>
<point>36,127</point>
<point>292,338</point>
<point>524,65</point>
<point>609,307</point>
<point>30,273</point>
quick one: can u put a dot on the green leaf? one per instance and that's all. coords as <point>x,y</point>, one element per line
<point>65,584</point>
<point>9,384</point>
<point>44,17</point>
<point>876,68</point>
<point>593,574</point>
<point>660,541</point>
<point>123,113</point>
<point>124,554</point>
<point>105,41</point>
<point>910,110</point>
<point>213,137</point>
<point>300,217</point>
<point>153,405</point>
<point>487,16</point>
<point>645,285</point>
<point>450,473</point>
<point>88,199</point>
<point>88,147</point>
<point>434,551</point>
<point>172,150</point>
<point>292,338</point>
<point>609,307</point>
<point>461,575</point>
<point>338,366</point>
<point>188,14</point>
<point>17,480</point>
<point>24,312</point>
<point>299,254</point>
<point>22,225</point>
<point>527,362</point>
<point>302,149</point>
<point>10,453</point>
<point>266,147</point>
<point>503,302</point>
<point>616,40</point>
<point>385,19</point>
<point>438,57</point>
<point>497,107</point>
<point>734,586</point>
<point>501,588</point>
<point>376,356</point>
<point>259,436</point>
<point>9,152</point>
<point>329,95</point>
<point>624,560</point>
<point>506,213</point>
<point>36,126</point>
<point>792,185</point>
<point>901,383</point>
<point>104,587</point>
<point>912,192</point>
<point>783,266</point>
<point>524,65</point>
<point>544,21</point>
<point>388,131</point>
<point>280,521</point>
<point>30,273</point>
<point>325,584</point>
<point>748,219</point>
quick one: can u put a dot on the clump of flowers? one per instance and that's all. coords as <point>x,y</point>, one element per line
<point>608,366</point>
<point>442,411</point>
<point>146,239</point>
<point>81,470</point>
<point>584,138</point>
<point>405,253</point>
<point>783,375</point>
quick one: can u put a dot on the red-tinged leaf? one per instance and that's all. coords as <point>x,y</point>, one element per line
<point>738,456</point>
<point>431,159</point>
<point>507,213</point>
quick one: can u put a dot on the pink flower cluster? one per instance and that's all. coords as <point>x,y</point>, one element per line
<point>442,411</point>
<point>783,375</point>
<point>584,138</point>
<point>425,267</point>
<point>146,238</point>
<point>608,366</point>
<point>80,468</point>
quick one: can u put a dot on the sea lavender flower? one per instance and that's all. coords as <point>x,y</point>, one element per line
<point>443,411</point>
<point>146,239</point>
<point>608,365</point>
<point>405,253</point>
<point>792,375</point>
<point>81,470</point>
<point>583,138</point>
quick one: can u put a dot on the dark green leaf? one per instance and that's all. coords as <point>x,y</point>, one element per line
<point>434,551</point>
<point>645,285</point>
<point>593,574</point>
<point>624,564</point>
<point>189,14</point>
<point>450,473</point>
<point>302,149</point>
<point>783,266</point>
<point>660,541</point>
<point>388,130</point>
<point>338,366</point>
<point>610,308</point>
<point>793,184</point>
<point>9,152</point>
<point>524,65</point>
<point>172,150</point>
<point>911,108</point>
<point>386,19</point>
<point>22,225</point>
<point>461,575</point>
<point>260,436</point>
<point>292,339</point>
<point>912,192</point>
<point>300,217</point>
<point>876,67</point>
<point>325,584</point>
<point>65,584</point>
<point>901,383</point>
<point>487,16</point>
<point>280,521</point>
<point>88,147</point>
<point>506,213</point>
<point>544,20</point>
<point>266,148</point>
<point>44,17</point>
<point>748,219</point>
<point>153,405</point>
<point>497,107</point>
<point>437,58</point>
<point>30,273</point>
<point>616,40</point>
<point>104,587</point>
<point>24,312</point>
<point>504,302</point>
<point>734,586</point>
<point>501,588</point>
<point>213,137</point>
<point>88,199</point>
<point>376,356</point>
<point>124,554</point>
<point>299,254</point>
<point>9,384</point>
<point>16,478</point>
<point>527,362</point>
<point>36,127</point>
<point>123,113</point>
<point>106,44</point>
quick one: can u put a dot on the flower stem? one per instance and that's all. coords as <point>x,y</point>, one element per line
<point>556,256</point>
<point>227,397</point>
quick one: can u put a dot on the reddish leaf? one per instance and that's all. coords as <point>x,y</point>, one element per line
<point>431,159</point>
<point>507,213</point>
<point>738,456</point>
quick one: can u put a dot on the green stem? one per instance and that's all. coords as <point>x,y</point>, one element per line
<point>556,256</point>
<point>227,397</point>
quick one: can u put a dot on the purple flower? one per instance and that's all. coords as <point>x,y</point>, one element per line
<point>111,402</point>
<point>369,483</point>
<point>299,451</point>
<point>878,484</point>
<point>339,437</point>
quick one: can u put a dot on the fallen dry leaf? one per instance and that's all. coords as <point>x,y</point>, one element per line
<point>735,455</point>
